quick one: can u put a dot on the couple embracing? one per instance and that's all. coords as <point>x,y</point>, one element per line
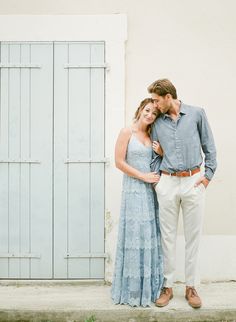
<point>161,156</point>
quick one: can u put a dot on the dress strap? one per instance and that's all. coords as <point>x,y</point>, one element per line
<point>131,130</point>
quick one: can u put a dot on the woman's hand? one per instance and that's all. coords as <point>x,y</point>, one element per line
<point>157,148</point>
<point>151,177</point>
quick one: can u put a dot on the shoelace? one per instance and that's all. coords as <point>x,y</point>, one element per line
<point>191,291</point>
<point>164,290</point>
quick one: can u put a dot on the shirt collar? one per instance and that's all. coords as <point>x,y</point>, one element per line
<point>183,110</point>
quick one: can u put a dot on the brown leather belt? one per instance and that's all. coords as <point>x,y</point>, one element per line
<point>187,173</point>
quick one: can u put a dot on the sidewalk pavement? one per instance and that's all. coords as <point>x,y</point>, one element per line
<point>70,301</point>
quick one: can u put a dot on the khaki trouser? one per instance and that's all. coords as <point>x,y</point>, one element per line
<point>173,193</point>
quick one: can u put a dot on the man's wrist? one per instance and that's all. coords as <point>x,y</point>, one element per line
<point>205,181</point>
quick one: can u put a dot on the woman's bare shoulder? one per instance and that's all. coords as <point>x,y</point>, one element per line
<point>126,131</point>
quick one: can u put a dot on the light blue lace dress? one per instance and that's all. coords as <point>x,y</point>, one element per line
<point>138,274</point>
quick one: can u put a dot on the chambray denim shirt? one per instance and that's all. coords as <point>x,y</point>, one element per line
<point>184,139</point>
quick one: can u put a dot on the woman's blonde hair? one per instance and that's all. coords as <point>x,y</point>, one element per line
<point>138,112</point>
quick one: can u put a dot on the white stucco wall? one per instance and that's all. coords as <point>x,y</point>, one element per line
<point>192,43</point>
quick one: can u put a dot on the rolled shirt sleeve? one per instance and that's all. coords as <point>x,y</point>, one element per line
<point>208,145</point>
<point>156,158</point>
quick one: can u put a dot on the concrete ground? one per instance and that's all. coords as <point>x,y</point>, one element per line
<point>68,301</point>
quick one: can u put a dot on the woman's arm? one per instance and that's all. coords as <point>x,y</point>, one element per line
<point>120,154</point>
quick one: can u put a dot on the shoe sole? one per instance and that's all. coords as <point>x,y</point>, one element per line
<point>162,305</point>
<point>193,306</point>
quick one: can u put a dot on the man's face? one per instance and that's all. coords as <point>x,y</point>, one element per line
<point>161,102</point>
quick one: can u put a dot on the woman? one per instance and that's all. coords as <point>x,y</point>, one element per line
<point>138,273</point>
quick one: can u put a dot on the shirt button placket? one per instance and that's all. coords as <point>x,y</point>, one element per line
<point>178,148</point>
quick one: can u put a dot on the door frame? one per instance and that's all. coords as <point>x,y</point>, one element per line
<point>88,28</point>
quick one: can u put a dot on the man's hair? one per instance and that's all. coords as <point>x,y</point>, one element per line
<point>162,87</point>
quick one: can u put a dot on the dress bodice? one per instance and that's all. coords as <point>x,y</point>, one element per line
<point>138,155</point>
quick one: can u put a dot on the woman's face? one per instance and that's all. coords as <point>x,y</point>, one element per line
<point>148,114</point>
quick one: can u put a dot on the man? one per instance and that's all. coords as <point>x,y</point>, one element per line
<point>182,131</point>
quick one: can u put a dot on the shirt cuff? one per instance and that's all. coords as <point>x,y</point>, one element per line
<point>208,174</point>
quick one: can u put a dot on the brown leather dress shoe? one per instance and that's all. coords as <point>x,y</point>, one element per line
<point>165,296</point>
<point>192,297</point>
